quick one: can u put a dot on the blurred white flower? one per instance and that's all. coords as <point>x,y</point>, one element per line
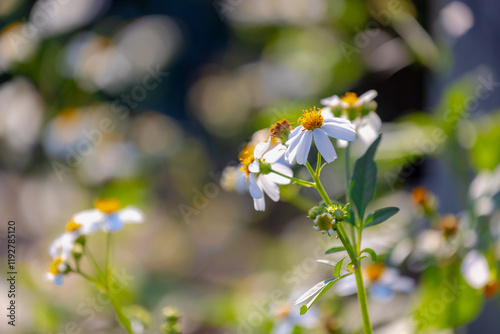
<point>367,125</point>
<point>313,124</point>
<point>234,180</point>
<point>109,215</point>
<point>63,245</point>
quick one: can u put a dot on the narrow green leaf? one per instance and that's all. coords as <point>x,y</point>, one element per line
<point>380,216</point>
<point>372,253</point>
<point>338,266</point>
<point>335,250</point>
<point>316,292</point>
<point>303,309</point>
<point>364,179</point>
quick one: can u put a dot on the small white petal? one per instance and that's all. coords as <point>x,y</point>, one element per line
<point>292,150</point>
<point>274,154</point>
<point>342,143</point>
<point>332,101</point>
<point>88,217</point>
<point>339,131</point>
<point>294,132</point>
<point>280,168</point>
<point>327,113</point>
<point>324,145</point>
<point>270,188</point>
<point>304,147</point>
<point>255,190</point>
<point>259,204</point>
<point>254,167</point>
<point>58,279</point>
<point>374,120</point>
<point>366,97</point>
<point>131,215</point>
<point>475,269</point>
<point>261,148</point>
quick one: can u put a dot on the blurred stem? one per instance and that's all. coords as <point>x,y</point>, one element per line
<point>347,186</point>
<point>367,327</point>
<point>116,304</point>
<point>295,180</point>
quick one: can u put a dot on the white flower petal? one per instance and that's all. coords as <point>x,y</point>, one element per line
<point>374,120</point>
<point>339,131</point>
<point>342,143</point>
<point>367,134</point>
<point>261,148</point>
<point>280,168</point>
<point>332,101</point>
<point>131,215</point>
<point>366,97</point>
<point>475,269</point>
<point>254,167</point>
<point>270,188</point>
<point>274,154</point>
<point>88,217</point>
<point>294,132</point>
<point>255,190</point>
<point>327,113</point>
<point>292,150</point>
<point>112,223</point>
<point>324,145</point>
<point>304,147</point>
<point>259,204</point>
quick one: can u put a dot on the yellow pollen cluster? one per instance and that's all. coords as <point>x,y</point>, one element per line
<point>107,205</point>
<point>72,226</point>
<point>247,157</point>
<point>53,269</point>
<point>311,119</point>
<point>374,271</point>
<point>350,98</point>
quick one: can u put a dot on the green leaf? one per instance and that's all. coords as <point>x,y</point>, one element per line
<point>372,253</point>
<point>364,179</point>
<point>380,216</point>
<point>335,250</point>
<point>338,266</point>
<point>316,292</point>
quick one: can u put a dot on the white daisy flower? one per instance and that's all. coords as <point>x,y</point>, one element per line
<point>109,216</point>
<point>55,273</point>
<point>360,110</point>
<point>257,164</point>
<point>315,125</point>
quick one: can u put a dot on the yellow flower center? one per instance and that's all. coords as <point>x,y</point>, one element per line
<point>374,271</point>
<point>53,268</point>
<point>107,205</point>
<point>350,98</point>
<point>247,157</point>
<point>72,226</point>
<point>311,119</point>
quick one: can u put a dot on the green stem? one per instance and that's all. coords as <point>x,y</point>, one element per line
<point>363,301</point>
<point>108,248</point>
<point>295,180</point>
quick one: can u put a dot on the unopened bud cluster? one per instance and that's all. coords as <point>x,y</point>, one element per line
<point>171,317</point>
<point>326,217</point>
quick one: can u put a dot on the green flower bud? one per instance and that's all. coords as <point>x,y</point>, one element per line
<point>315,211</point>
<point>339,215</point>
<point>265,168</point>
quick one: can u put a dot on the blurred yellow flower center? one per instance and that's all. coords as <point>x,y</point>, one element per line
<point>107,205</point>
<point>72,226</point>
<point>350,98</point>
<point>247,157</point>
<point>374,271</point>
<point>53,269</point>
<point>311,119</point>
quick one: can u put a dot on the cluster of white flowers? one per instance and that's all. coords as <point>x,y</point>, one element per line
<point>107,216</point>
<point>266,164</point>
